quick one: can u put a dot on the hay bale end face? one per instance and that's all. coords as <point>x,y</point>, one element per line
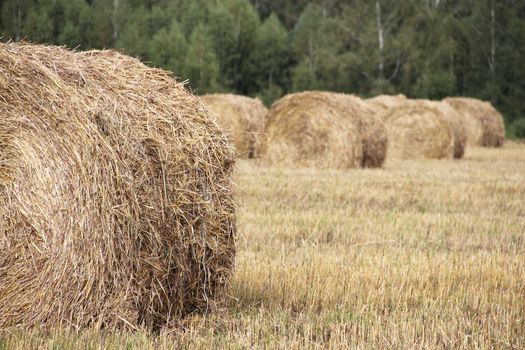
<point>115,193</point>
<point>241,117</point>
<point>484,123</point>
<point>417,130</point>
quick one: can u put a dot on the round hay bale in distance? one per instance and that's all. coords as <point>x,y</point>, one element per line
<point>309,129</point>
<point>115,193</point>
<point>455,121</point>
<point>417,130</point>
<point>373,131</point>
<point>383,102</point>
<point>472,124</point>
<point>484,123</point>
<point>241,117</point>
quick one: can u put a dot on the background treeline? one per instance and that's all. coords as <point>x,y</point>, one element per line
<point>266,48</point>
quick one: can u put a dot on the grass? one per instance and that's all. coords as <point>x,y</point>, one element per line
<point>420,254</point>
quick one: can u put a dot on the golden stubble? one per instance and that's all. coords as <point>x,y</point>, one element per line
<point>420,254</point>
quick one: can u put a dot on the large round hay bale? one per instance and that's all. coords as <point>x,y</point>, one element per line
<point>417,130</point>
<point>241,117</point>
<point>309,129</point>
<point>484,123</point>
<point>115,193</point>
<point>455,121</point>
<point>372,129</point>
<point>384,102</point>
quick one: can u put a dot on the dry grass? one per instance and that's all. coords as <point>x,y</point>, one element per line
<point>384,102</point>
<point>457,125</point>
<point>417,129</point>
<point>241,117</point>
<point>116,205</point>
<point>323,129</point>
<point>312,129</point>
<point>372,129</point>
<point>420,254</point>
<point>484,124</point>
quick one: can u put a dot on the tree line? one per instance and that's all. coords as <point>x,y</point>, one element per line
<point>267,48</point>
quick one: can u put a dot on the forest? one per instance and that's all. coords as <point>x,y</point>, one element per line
<point>267,48</point>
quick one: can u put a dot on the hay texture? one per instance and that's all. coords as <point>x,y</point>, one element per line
<point>115,193</point>
<point>483,122</point>
<point>383,102</point>
<point>417,130</point>
<point>456,124</point>
<point>372,129</point>
<point>241,117</point>
<point>309,129</point>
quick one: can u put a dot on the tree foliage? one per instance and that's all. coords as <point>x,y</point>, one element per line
<point>422,48</point>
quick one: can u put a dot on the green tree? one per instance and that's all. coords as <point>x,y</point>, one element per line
<point>59,22</point>
<point>138,26</point>
<point>287,11</point>
<point>233,25</point>
<point>168,49</point>
<point>102,32</point>
<point>315,47</point>
<point>76,24</point>
<point>13,16</point>
<point>39,25</point>
<point>188,13</point>
<point>519,128</point>
<point>427,49</point>
<point>201,65</point>
<point>270,59</point>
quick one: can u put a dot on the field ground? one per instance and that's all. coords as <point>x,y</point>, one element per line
<point>420,254</point>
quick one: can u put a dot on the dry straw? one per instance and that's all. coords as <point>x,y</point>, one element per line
<point>308,129</point>
<point>456,124</point>
<point>322,129</point>
<point>115,193</point>
<point>417,130</point>
<point>483,122</point>
<point>241,117</point>
<point>373,130</point>
<point>383,102</point>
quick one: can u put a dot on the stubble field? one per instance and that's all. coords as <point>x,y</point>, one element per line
<point>419,254</point>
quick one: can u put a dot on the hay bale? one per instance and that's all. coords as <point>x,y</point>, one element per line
<point>472,124</point>
<point>372,129</point>
<point>241,117</point>
<point>310,129</point>
<point>115,193</point>
<point>417,130</point>
<point>383,102</point>
<point>455,122</point>
<point>484,123</point>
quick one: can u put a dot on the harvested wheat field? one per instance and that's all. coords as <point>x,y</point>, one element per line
<point>417,130</point>
<point>309,129</point>
<point>241,117</point>
<point>422,254</point>
<point>484,123</point>
<point>116,207</point>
